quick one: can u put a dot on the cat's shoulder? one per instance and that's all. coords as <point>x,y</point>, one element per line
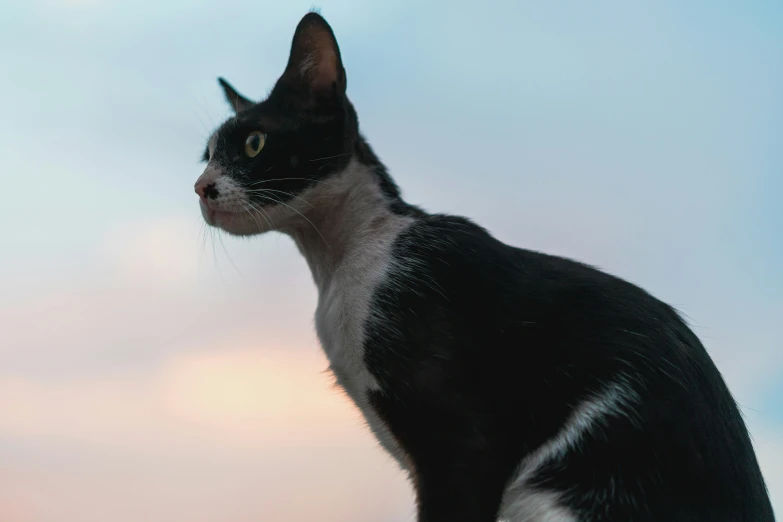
<point>452,248</point>
<point>452,235</point>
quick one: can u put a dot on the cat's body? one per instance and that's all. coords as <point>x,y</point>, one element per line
<point>508,383</point>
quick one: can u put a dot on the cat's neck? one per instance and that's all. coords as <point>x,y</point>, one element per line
<point>345,220</point>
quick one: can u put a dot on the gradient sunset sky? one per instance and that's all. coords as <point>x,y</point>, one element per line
<point>153,370</point>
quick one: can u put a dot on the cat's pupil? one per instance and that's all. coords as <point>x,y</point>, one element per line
<point>255,142</point>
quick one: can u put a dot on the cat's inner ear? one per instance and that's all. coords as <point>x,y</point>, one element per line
<point>315,63</point>
<point>238,102</point>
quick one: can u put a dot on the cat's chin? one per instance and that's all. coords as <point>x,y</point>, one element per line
<point>235,223</point>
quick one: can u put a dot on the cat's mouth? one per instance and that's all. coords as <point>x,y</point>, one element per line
<point>214,216</point>
<point>235,222</point>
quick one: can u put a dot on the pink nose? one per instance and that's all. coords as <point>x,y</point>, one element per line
<point>206,189</point>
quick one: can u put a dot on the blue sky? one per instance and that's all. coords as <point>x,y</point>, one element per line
<point>644,138</point>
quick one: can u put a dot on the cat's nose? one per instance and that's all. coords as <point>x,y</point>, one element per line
<point>206,190</point>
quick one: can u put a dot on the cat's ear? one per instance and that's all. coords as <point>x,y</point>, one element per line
<point>238,102</point>
<point>314,65</point>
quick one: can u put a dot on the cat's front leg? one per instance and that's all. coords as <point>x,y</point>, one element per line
<point>459,486</point>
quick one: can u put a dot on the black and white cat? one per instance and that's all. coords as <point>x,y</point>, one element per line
<point>509,384</point>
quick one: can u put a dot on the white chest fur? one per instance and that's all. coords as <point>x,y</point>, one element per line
<point>343,310</point>
<point>349,258</point>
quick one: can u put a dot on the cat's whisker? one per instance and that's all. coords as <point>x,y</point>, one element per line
<point>204,125</point>
<point>331,157</point>
<point>305,217</point>
<point>225,251</point>
<point>214,255</point>
<point>252,216</point>
<point>205,111</point>
<point>258,211</point>
<point>202,240</point>
<point>249,208</point>
<point>261,191</point>
<point>264,214</point>
<point>322,182</point>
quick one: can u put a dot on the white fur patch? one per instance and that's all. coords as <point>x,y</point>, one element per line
<point>349,255</point>
<point>535,506</point>
<point>523,503</point>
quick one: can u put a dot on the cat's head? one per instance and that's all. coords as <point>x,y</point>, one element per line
<point>261,160</point>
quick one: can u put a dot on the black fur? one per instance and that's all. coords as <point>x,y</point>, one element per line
<point>483,350</point>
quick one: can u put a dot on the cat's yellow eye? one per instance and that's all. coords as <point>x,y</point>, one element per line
<point>254,143</point>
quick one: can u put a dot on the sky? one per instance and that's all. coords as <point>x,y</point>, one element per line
<point>151,369</point>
